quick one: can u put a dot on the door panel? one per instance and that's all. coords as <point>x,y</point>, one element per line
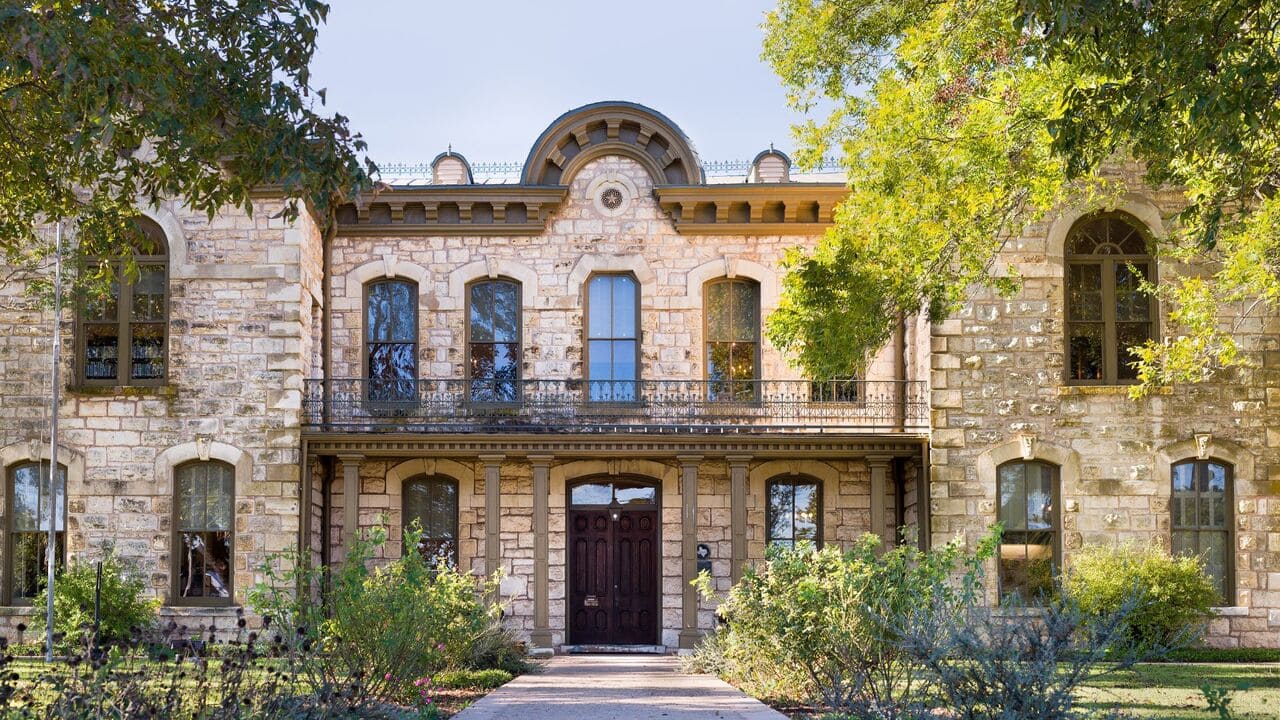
<point>613,592</point>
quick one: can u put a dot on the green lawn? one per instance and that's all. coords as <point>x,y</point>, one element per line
<point>1172,691</point>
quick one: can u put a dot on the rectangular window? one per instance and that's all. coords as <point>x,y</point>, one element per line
<point>732,339</point>
<point>1029,513</point>
<point>493,334</point>
<point>28,541</point>
<point>205,521</point>
<point>613,340</point>
<point>794,513</point>
<point>1200,517</point>
<point>391,340</point>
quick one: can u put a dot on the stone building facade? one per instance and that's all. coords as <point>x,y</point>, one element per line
<point>563,378</point>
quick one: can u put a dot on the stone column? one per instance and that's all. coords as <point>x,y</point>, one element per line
<point>492,511</point>
<point>738,465</point>
<point>689,632</point>
<point>879,466</point>
<point>350,500</point>
<point>540,638</point>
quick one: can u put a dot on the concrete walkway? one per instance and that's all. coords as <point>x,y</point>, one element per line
<point>616,687</point>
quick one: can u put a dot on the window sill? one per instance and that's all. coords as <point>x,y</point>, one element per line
<point>164,391</point>
<point>1080,390</point>
<point>18,610</point>
<point>1230,611</point>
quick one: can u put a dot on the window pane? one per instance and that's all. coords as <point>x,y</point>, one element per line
<point>482,312</point>
<point>806,512</point>
<point>506,364</point>
<point>506,323</point>
<point>1013,496</point>
<point>101,352</point>
<point>781,512</point>
<point>1213,551</point>
<point>26,497</point>
<point>1084,351</point>
<point>624,306</point>
<point>635,494</point>
<point>30,571</point>
<point>1129,336</point>
<point>146,351</point>
<point>148,294</point>
<point>1182,503</point>
<point>746,311</point>
<point>600,354</point>
<point>1184,543</point>
<point>1026,565</point>
<point>104,307</point>
<point>591,494</point>
<point>1039,497</point>
<point>1084,292</point>
<point>1131,303</point>
<point>191,497</point>
<point>600,307</point>
<point>392,313</point>
<point>717,311</point>
<point>204,565</point>
<point>392,361</point>
<point>624,360</point>
<point>1215,478</point>
<point>482,361</point>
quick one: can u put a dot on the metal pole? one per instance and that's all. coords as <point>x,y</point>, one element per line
<point>97,610</point>
<point>51,552</point>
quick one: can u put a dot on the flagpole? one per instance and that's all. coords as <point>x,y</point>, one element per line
<point>51,552</point>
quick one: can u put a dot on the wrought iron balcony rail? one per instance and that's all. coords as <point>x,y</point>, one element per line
<point>645,406</point>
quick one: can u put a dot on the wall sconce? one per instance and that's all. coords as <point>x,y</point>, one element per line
<point>613,514</point>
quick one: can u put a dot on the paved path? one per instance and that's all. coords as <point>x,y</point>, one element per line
<point>616,687</point>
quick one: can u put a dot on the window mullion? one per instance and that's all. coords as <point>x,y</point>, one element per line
<point>1110,356</point>
<point>124,306</point>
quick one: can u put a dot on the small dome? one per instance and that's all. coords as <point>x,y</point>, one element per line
<point>450,168</point>
<point>770,166</point>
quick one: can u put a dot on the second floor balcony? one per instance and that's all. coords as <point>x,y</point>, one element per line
<point>362,405</point>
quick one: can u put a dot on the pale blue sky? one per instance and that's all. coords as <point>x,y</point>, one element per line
<point>489,75</point>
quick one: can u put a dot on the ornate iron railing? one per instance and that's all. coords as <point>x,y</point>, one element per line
<point>646,406</point>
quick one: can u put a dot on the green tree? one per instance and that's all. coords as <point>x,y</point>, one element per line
<point>962,121</point>
<point>110,103</point>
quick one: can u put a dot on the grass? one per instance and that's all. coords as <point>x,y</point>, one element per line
<point>1171,691</point>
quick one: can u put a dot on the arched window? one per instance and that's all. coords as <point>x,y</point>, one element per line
<point>732,333</point>
<point>1107,260</point>
<point>433,503</point>
<point>1200,510</point>
<point>203,529</point>
<point>613,337</point>
<point>1029,512</point>
<point>794,512</point>
<point>391,339</point>
<point>123,333</point>
<point>27,536</point>
<point>493,341</point>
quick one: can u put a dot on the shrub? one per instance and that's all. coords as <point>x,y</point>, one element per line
<point>497,647</point>
<point>125,610</point>
<point>384,626</point>
<point>472,679</point>
<point>824,624</point>
<point>709,657</point>
<point>1176,592</point>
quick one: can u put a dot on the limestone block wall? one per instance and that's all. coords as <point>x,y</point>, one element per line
<point>997,377</point>
<point>552,268</point>
<point>236,359</point>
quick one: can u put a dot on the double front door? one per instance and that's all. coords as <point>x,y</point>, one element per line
<point>613,573</point>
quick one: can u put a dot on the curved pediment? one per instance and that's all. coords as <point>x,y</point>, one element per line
<point>612,128</point>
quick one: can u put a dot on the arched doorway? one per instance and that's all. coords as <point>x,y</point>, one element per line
<point>614,581</point>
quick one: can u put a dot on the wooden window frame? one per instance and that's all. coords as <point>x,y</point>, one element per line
<point>6,583</point>
<point>519,340</point>
<point>1107,263</point>
<point>769,511</point>
<point>586,339</point>
<point>175,540</point>
<point>124,325</point>
<point>1055,531</point>
<point>1229,528</point>
<point>405,520</point>
<point>707,341</point>
<point>366,344</point>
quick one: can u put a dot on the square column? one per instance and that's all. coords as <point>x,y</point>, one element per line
<point>492,511</point>
<point>879,466</point>
<point>738,465</point>
<point>689,632</point>
<point>350,500</point>
<point>540,638</point>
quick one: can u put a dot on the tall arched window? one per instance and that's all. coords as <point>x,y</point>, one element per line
<point>613,337</point>
<point>732,333</point>
<point>123,333</point>
<point>1107,260</point>
<point>203,533</point>
<point>433,503</point>
<point>794,512</point>
<point>391,339</point>
<point>493,341</point>
<point>1200,510</point>
<point>1030,514</point>
<point>27,537</point>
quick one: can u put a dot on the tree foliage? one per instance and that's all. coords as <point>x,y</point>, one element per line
<point>106,105</point>
<point>961,122</point>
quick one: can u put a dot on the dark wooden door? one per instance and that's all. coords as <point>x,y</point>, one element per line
<point>613,577</point>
